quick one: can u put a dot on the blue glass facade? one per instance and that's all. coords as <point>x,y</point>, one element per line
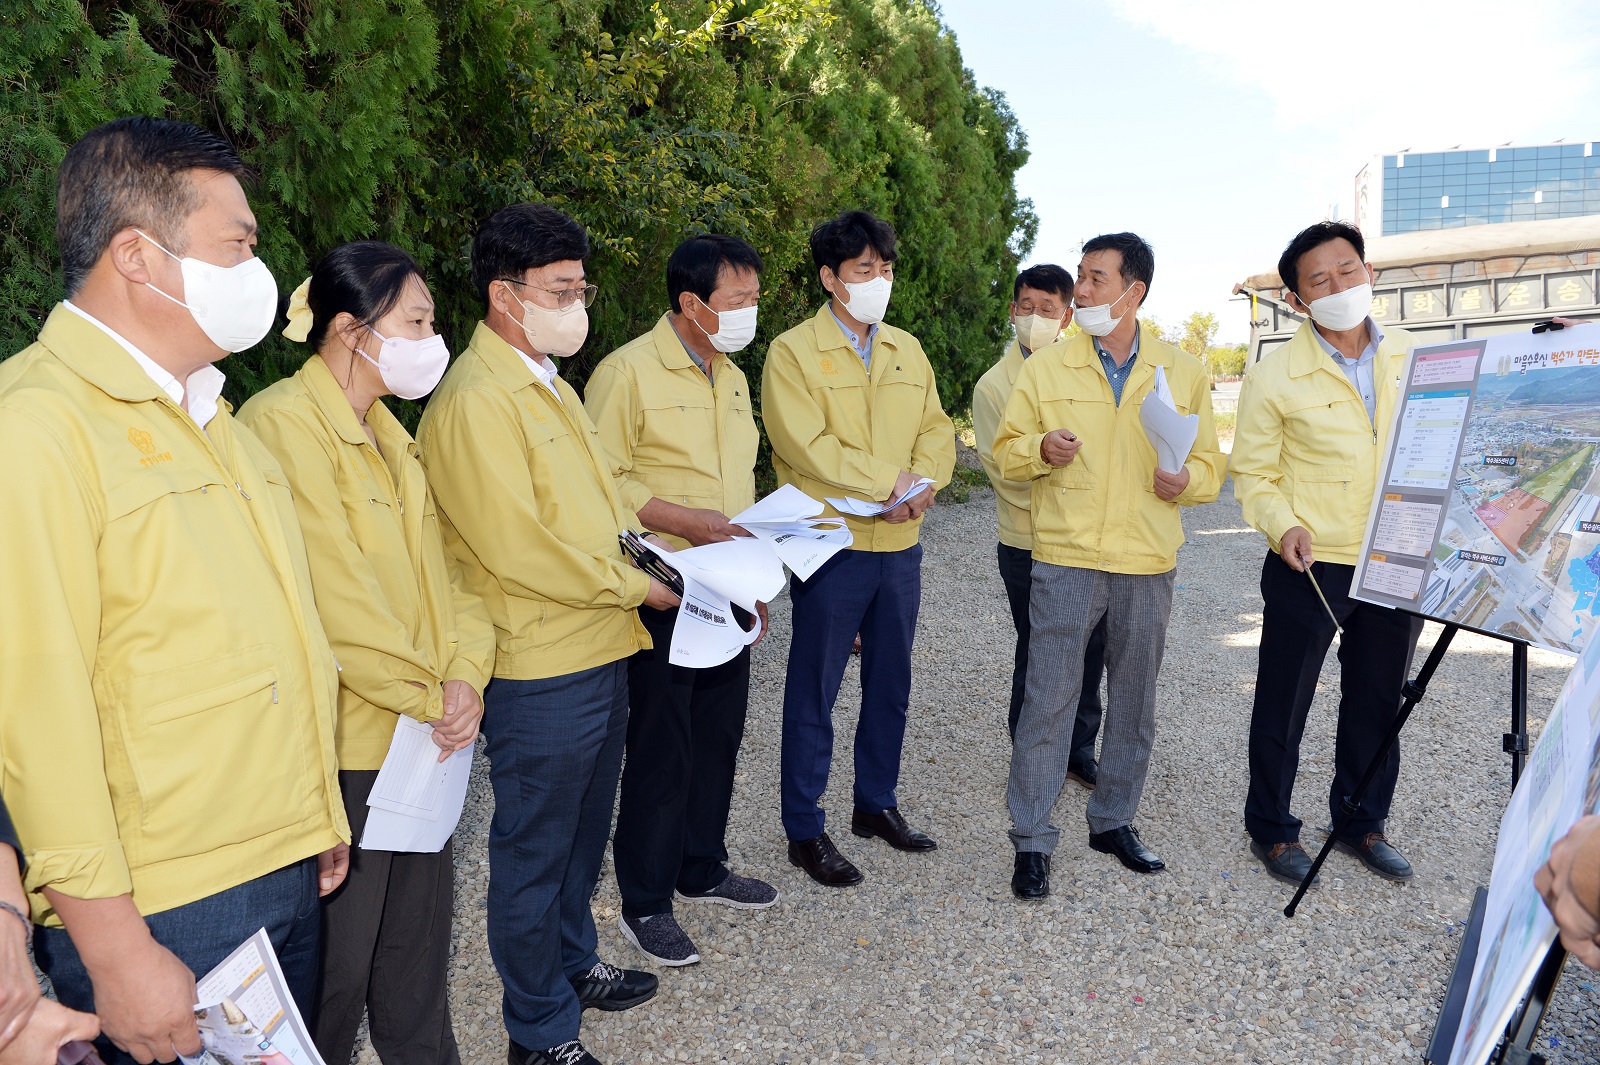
<point>1446,190</point>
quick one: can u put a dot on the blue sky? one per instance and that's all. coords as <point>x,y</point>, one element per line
<point>1218,128</point>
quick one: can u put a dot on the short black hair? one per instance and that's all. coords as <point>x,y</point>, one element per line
<point>523,237</point>
<point>1046,277</point>
<point>1138,258</point>
<point>696,265</point>
<point>846,237</point>
<point>364,279</point>
<point>1314,236</point>
<point>132,172</point>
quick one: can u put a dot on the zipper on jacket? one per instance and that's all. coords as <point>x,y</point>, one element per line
<point>240,487</point>
<point>274,693</point>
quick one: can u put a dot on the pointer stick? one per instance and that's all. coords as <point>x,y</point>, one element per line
<point>1338,630</point>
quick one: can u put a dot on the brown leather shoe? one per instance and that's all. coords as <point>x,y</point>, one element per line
<point>890,827</point>
<point>823,862</point>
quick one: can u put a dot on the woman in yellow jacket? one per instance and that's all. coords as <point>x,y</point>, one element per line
<point>409,639</point>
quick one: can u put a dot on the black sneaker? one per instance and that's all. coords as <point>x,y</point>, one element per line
<point>569,1053</point>
<point>608,988</point>
<point>660,939</point>
<point>740,892</point>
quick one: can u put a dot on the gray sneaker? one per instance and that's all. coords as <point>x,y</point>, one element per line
<point>660,939</point>
<point>740,892</point>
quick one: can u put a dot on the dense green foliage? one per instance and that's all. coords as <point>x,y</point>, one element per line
<point>411,120</point>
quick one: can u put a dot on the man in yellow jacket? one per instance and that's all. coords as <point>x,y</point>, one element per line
<point>167,695</point>
<point>1041,307</point>
<point>852,409</point>
<point>1106,533</point>
<point>679,428</point>
<point>532,516</point>
<point>1313,427</point>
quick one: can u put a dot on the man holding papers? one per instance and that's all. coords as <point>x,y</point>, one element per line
<point>677,423</point>
<point>1041,307</point>
<point>1106,532</point>
<point>852,410</point>
<point>1313,429</point>
<point>530,512</point>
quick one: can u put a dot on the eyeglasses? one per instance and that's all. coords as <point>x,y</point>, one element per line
<point>565,297</point>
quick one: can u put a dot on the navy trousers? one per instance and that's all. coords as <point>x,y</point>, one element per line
<point>875,593</point>
<point>555,752</point>
<point>204,932</point>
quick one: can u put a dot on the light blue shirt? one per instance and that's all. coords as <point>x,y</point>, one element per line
<point>1359,371</point>
<point>698,361</point>
<point>863,345</point>
<point>1117,375</point>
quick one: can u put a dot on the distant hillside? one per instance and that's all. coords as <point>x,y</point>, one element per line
<point>1559,386</point>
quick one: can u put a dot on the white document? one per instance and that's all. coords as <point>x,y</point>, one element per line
<point>246,1014</point>
<point>743,571</point>
<point>1173,434</point>
<point>787,520</point>
<point>707,633</point>
<point>416,801</point>
<point>861,508</point>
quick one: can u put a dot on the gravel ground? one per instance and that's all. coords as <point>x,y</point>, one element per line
<point>932,960</point>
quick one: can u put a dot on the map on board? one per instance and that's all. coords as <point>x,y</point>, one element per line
<point>1488,512</point>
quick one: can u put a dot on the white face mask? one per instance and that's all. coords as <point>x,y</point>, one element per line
<point>559,333</point>
<point>1035,331</point>
<point>735,329</point>
<point>1097,320</point>
<point>868,299</point>
<point>410,368</point>
<point>1342,310</point>
<point>233,305</point>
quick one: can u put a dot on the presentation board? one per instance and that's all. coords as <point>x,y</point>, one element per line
<point>1487,515</point>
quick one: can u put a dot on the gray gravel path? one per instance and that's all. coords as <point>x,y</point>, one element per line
<point>931,960</point>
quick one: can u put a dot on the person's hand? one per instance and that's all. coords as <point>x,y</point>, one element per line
<point>19,991</point>
<point>920,502</point>
<point>899,514</point>
<point>659,541</point>
<point>332,865</point>
<point>50,1027</point>
<point>145,998</point>
<point>1059,447</point>
<point>706,527</point>
<point>761,612</point>
<point>1295,548</point>
<point>463,712</point>
<point>1170,486</point>
<point>660,596</point>
<point>902,485</point>
<point>1570,885</point>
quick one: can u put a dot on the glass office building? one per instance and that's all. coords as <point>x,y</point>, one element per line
<point>1451,189</point>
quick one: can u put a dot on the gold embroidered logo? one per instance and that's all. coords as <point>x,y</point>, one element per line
<point>146,444</point>
<point>827,367</point>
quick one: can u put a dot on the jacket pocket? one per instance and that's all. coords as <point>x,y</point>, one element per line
<point>1324,499</point>
<point>217,755</point>
<point>1066,510</point>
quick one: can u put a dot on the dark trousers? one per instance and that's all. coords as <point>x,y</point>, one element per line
<point>204,932</point>
<point>875,593</point>
<point>684,730</point>
<point>386,949</point>
<point>1016,571</point>
<point>1374,658</point>
<point>555,751</point>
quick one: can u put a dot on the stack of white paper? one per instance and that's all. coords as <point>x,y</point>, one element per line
<point>861,508</point>
<point>416,801</point>
<point>787,520</point>
<point>743,571</point>
<point>1173,434</point>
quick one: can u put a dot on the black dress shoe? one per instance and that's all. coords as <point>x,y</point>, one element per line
<point>1088,775</point>
<point>1288,862</point>
<point>1124,843</point>
<point>608,988</point>
<point>822,862</point>
<point>1377,854</point>
<point>569,1053</point>
<point>1030,877</point>
<point>890,827</point>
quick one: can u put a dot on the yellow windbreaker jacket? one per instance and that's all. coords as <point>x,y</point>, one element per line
<point>166,690</point>
<point>1101,511</point>
<point>1013,499</point>
<point>837,430</point>
<point>531,514</point>
<point>394,607</point>
<point>1305,452</point>
<point>669,431</point>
